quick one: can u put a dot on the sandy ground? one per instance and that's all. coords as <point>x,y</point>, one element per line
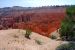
<point>13,39</point>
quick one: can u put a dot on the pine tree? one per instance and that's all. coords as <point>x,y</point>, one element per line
<point>67,31</point>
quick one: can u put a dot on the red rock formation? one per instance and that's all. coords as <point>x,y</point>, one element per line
<point>43,21</point>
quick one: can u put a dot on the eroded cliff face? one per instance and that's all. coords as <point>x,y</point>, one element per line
<point>41,20</point>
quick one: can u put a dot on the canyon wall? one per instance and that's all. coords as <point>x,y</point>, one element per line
<point>41,20</point>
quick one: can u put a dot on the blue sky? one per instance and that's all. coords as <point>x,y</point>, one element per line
<point>34,3</point>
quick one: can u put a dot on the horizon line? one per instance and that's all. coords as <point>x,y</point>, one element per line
<point>38,6</point>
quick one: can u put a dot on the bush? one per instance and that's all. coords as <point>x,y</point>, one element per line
<point>38,42</point>
<point>67,30</point>
<point>28,33</point>
<point>53,37</point>
<point>69,46</point>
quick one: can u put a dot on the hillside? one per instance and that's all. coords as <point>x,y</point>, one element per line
<point>42,20</point>
<point>13,39</point>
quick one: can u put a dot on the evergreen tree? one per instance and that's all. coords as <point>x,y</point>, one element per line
<point>67,30</point>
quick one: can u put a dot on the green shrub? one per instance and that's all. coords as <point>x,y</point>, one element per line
<point>69,46</point>
<point>53,37</point>
<point>28,33</point>
<point>67,30</point>
<point>38,42</point>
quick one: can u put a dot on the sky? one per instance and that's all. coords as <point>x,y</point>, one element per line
<point>34,3</point>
